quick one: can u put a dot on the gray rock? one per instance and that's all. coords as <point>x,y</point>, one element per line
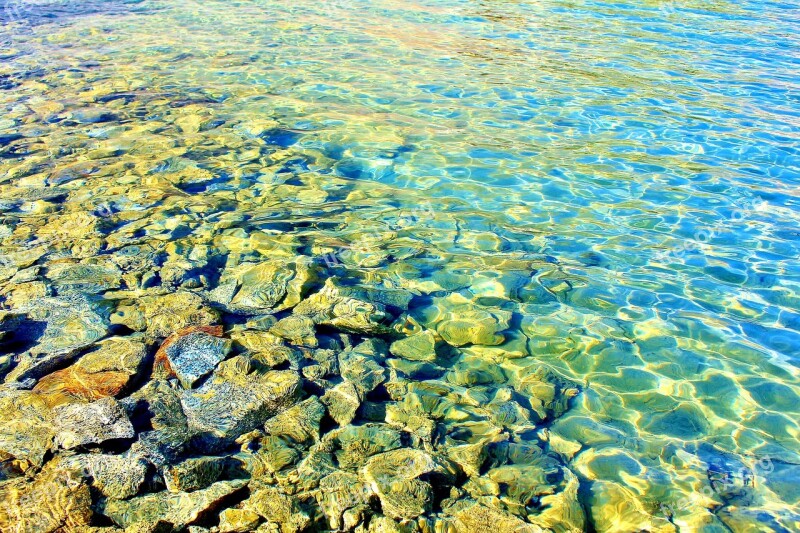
<point>93,423</point>
<point>195,355</point>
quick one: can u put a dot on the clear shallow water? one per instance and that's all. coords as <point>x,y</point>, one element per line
<point>620,178</point>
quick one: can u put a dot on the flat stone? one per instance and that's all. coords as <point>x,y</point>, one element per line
<point>93,423</point>
<point>419,347</point>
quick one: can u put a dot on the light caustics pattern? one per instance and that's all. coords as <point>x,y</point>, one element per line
<point>611,188</point>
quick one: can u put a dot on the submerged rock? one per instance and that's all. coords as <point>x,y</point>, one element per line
<point>394,476</point>
<point>277,508</point>
<point>26,426</point>
<point>195,355</point>
<point>333,306</point>
<point>56,500</point>
<point>194,473</point>
<point>93,423</point>
<point>300,424</point>
<point>227,406</point>
<point>58,329</point>
<point>237,521</point>
<point>419,347</point>
<point>115,476</point>
<point>270,286</point>
<point>174,509</point>
<point>160,316</point>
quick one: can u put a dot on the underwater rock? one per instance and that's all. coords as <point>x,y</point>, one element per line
<point>115,476</point>
<point>226,406</point>
<point>176,509</point>
<point>331,306</point>
<point>270,286</point>
<point>342,402</point>
<point>56,500</point>
<point>26,426</point>
<point>162,369</point>
<point>93,423</point>
<point>357,443</point>
<point>419,347</point>
<point>105,371</point>
<point>477,518</point>
<point>561,511</point>
<point>278,508</point>
<point>473,326</point>
<point>340,492</point>
<point>69,326</point>
<point>394,475</point>
<point>298,330</point>
<point>88,278</point>
<point>299,424</point>
<point>237,521</point>
<point>163,315</point>
<point>195,355</point>
<point>275,454</point>
<point>73,384</point>
<point>115,354</point>
<point>358,366</point>
<point>193,474</point>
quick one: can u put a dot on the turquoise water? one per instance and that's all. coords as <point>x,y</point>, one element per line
<point>619,182</point>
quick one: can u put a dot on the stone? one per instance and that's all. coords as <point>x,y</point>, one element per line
<point>477,518</point>
<point>73,384</point>
<point>178,510</point>
<point>419,347</point>
<point>358,443</point>
<point>162,369</point>
<point>160,316</point>
<point>339,492</point>
<point>115,354</point>
<point>299,424</point>
<point>26,426</point>
<point>195,355</point>
<point>394,477</point>
<point>87,278</point>
<point>225,407</point>
<point>277,508</point>
<point>59,328</point>
<point>237,521</point>
<point>363,371</point>
<point>93,423</point>
<point>193,474</point>
<point>298,330</point>
<point>331,307</point>
<point>115,476</point>
<point>342,402</point>
<point>56,500</point>
<point>269,286</point>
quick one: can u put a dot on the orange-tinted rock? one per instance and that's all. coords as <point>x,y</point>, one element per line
<point>161,367</point>
<point>73,384</point>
